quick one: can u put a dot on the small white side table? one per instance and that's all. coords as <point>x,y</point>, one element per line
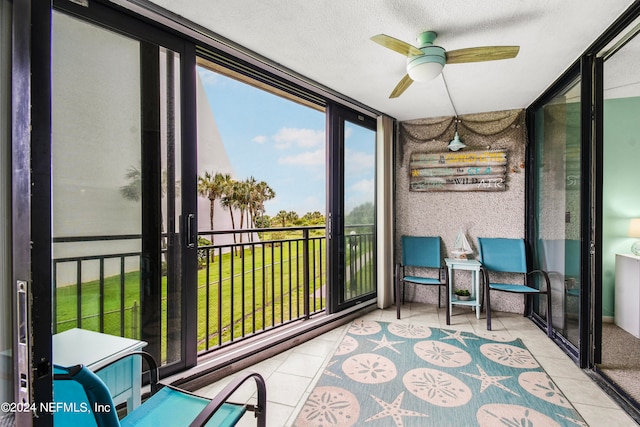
<point>627,299</point>
<point>470,265</point>
<point>95,350</point>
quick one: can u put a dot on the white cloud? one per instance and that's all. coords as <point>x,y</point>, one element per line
<point>358,161</point>
<point>260,139</point>
<point>363,186</point>
<point>348,132</point>
<point>307,158</point>
<point>303,138</point>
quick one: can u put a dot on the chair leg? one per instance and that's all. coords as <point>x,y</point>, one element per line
<point>439,295</point>
<point>397,286</point>
<point>446,287</point>
<point>488,296</point>
<point>549,316</point>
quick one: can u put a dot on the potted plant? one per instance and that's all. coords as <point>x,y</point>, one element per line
<point>463,294</point>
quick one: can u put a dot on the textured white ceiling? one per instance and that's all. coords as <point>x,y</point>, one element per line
<point>328,41</point>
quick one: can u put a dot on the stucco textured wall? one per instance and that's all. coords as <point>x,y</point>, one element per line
<point>476,213</point>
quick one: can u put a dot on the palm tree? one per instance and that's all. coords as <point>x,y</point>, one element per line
<point>133,190</point>
<point>212,187</point>
<point>259,192</point>
<point>229,201</point>
<point>292,217</point>
<point>281,217</point>
<point>242,197</point>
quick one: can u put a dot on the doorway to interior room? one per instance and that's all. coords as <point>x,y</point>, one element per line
<point>620,268</point>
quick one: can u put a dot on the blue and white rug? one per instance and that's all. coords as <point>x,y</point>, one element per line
<point>387,374</point>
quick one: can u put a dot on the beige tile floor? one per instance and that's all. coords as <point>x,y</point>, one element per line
<point>291,375</point>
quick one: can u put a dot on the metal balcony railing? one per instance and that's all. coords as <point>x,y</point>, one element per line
<point>249,281</point>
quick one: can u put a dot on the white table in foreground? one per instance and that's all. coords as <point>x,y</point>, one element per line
<point>470,265</point>
<point>95,350</point>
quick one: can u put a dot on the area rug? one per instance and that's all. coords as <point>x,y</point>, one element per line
<point>388,374</point>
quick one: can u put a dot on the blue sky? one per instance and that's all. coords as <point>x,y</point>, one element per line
<point>283,143</point>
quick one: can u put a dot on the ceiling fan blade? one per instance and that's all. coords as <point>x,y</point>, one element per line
<point>401,86</point>
<point>396,45</point>
<point>479,54</point>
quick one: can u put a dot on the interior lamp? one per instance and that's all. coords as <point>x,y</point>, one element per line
<point>634,231</point>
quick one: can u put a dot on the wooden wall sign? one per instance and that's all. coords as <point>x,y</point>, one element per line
<point>458,171</point>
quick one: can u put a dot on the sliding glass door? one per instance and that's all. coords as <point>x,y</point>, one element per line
<point>123,235</point>
<point>352,204</point>
<point>557,206</point>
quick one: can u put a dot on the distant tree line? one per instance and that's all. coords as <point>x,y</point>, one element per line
<point>248,198</point>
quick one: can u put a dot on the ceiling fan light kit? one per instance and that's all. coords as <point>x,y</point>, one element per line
<point>427,66</point>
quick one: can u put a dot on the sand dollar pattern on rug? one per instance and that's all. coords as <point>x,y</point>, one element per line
<point>501,415</point>
<point>329,406</point>
<point>369,368</point>
<point>348,345</point>
<point>410,331</point>
<point>403,375</point>
<point>437,387</point>
<point>442,354</point>
<point>540,385</point>
<point>509,355</point>
<point>364,327</point>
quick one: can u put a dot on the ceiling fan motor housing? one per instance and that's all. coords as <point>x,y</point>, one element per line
<point>428,65</point>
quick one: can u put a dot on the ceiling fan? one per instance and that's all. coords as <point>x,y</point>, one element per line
<point>426,62</point>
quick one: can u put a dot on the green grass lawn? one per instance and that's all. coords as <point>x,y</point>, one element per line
<point>258,278</point>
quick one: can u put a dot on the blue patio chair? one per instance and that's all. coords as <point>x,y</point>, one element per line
<point>419,255</point>
<point>84,400</point>
<point>509,256</point>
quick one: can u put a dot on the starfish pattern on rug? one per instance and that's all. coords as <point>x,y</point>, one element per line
<point>384,343</point>
<point>457,335</point>
<point>420,376</point>
<point>394,411</point>
<point>489,380</point>
<point>328,372</point>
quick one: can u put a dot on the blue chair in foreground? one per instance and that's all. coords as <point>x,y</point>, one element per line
<point>419,255</point>
<point>84,400</point>
<point>509,256</point>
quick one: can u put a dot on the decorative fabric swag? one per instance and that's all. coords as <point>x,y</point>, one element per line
<point>478,131</point>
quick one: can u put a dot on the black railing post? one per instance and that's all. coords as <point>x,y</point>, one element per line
<point>305,271</point>
<point>79,295</point>
<point>101,296</point>
<point>207,307</point>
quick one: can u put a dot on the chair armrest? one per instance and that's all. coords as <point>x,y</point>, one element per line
<point>484,274</point>
<point>544,275</point>
<point>215,404</point>
<point>153,368</point>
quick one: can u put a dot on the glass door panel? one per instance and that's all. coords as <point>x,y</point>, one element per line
<point>620,204</point>
<point>359,207</point>
<point>352,206</point>
<point>557,202</point>
<point>115,186</point>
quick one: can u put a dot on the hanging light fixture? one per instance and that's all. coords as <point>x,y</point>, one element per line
<point>455,143</point>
